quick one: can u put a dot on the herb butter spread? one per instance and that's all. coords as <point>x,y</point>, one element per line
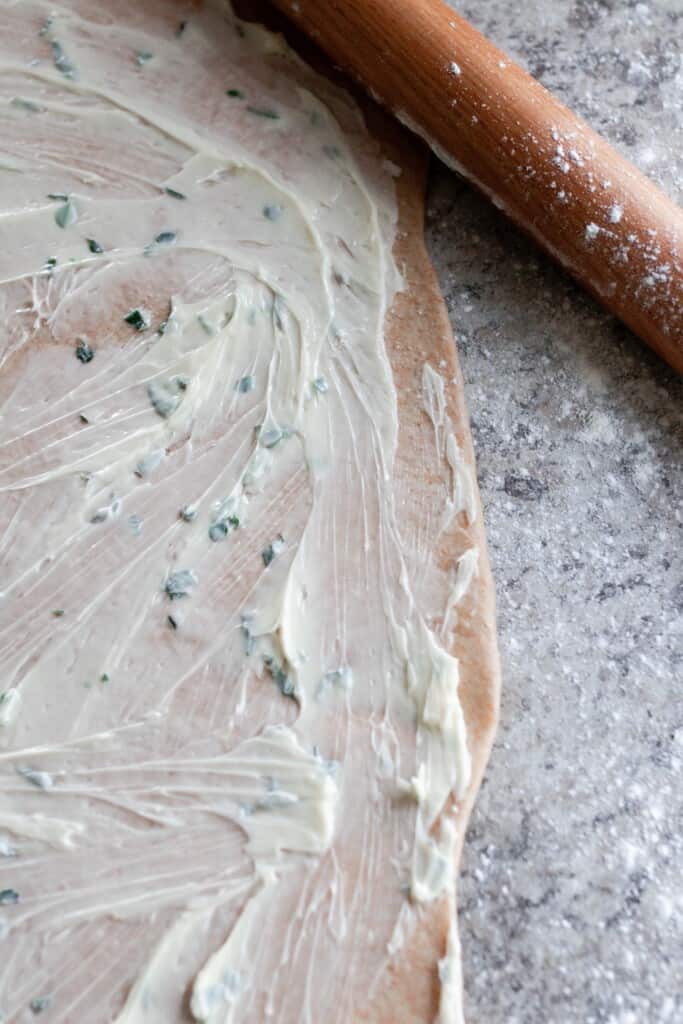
<point>228,737</point>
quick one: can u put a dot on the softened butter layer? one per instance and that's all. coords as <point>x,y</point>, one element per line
<point>228,736</point>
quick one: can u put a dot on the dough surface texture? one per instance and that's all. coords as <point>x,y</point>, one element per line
<point>240,541</point>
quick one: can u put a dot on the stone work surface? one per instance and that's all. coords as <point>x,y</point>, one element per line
<point>571,893</point>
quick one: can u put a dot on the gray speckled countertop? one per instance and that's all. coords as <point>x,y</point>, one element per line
<point>572,887</point>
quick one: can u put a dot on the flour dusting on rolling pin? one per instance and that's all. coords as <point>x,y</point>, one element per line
<point>587,206</point>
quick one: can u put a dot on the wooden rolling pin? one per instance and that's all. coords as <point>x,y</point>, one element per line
<point>587,206</point>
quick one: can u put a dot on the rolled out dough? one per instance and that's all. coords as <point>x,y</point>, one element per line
<point>249,669</point>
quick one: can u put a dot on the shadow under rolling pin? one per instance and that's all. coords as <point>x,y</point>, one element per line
<point>615,231</point>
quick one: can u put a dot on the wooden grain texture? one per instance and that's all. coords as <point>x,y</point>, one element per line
<point>587,206</point>
<point>418,330</point>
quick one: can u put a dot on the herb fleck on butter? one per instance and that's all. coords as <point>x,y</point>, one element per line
<point>173,193</point>
<point>236,94</point>
<point>138,318</point>
<point>245,384</point>
<point>248,635</point>
<point>166,396</point>
<point>266,112</point>
<point>62,62</point>
<point>23,104</point>
<point>41,780</point>
<point>270,437</point>
<point>220,529</point>
<point>148,463</point>
<point>180,583</point>
<point>273,550</point>
<point>66,215</point>
<point>84,353</point>
<point>94,246</point>
<point>279,677</point>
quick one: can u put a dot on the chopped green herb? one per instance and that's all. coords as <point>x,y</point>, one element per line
<point>180,29</point>
<point>58,612</point>
<point>107,511</point>
<point>84,353</point>
<point>279,677</point>
<point>49,265</point>
<point>94,246</point>
<point>62,62</point>
<point>236,94</point>
<point>142,57</point>
<point>269,438</point>
<point>279,307</point>
<point>9,703</point>
<point>149,463</point>
<point>173,193</point>
<point>273,550</point>
<point>8,897</point>
<point>245,384</point>
<point>163,326</point>
<point>41,780</point>
<point>220,529</point>
<point>66,215</point>
<point>138,318</point>
<point>339,678</point>
<point>22,104</point>
<point>248,636</point>
<point>83,418</point>
<point>272,211</point>
<point>205,325</point>
<point>180,583</point>
<point>266,112</point>
<point>104,678</point>
<point>46,26</point>
<point>63,197</point>
<point>165,238</point>
<point>188,513</point>
<point>172,622</point>
<point>135,523</point>
<point>320,385</point>
<point>166,396</point>
<point>39,1004</point>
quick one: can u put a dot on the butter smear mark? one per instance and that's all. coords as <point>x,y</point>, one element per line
<point>229,740</point>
